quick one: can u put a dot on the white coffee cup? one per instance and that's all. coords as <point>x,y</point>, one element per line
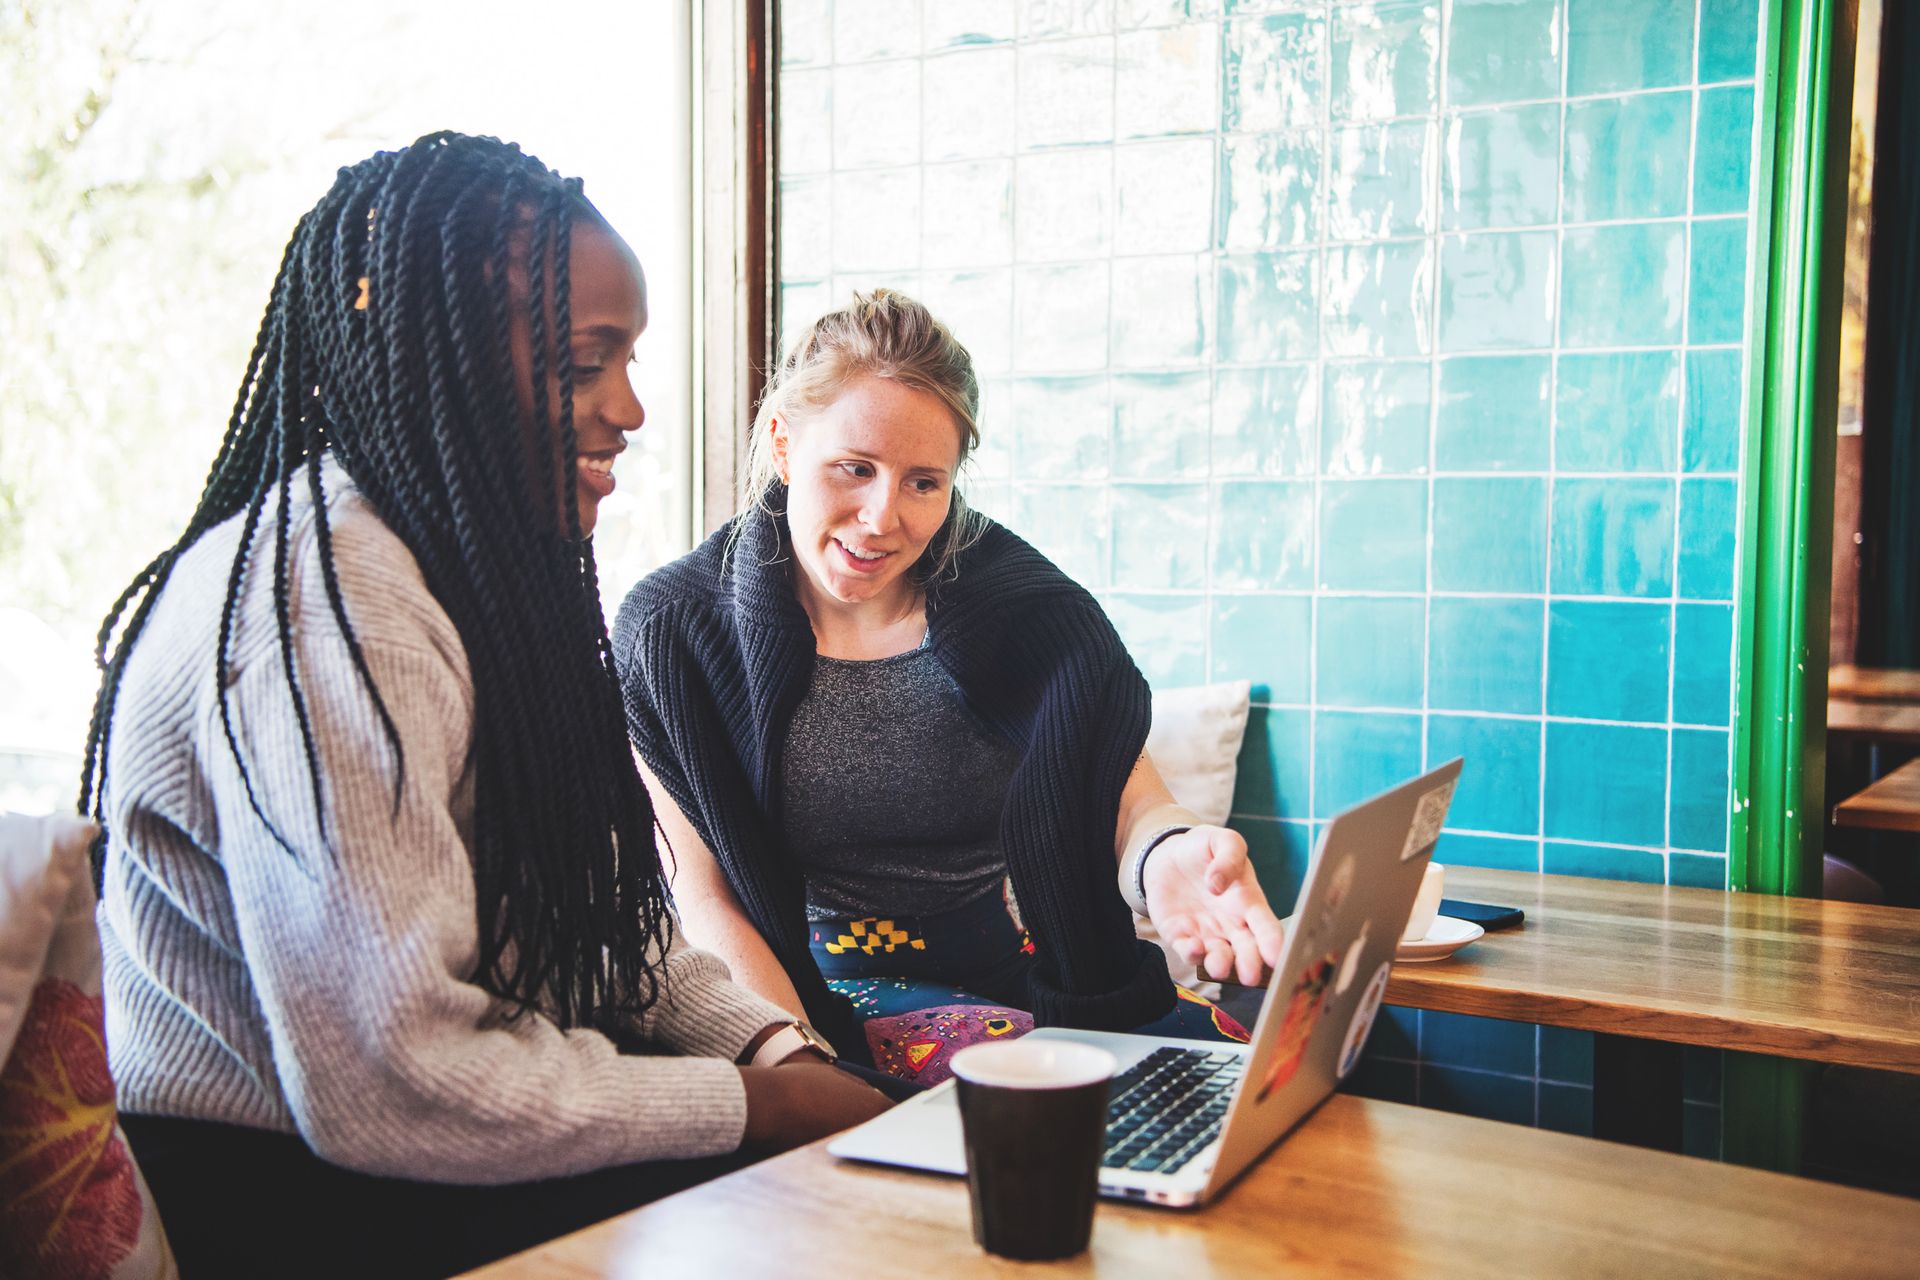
<point>1427,905</point>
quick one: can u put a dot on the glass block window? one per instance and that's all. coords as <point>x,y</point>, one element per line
<point>1386,354</point>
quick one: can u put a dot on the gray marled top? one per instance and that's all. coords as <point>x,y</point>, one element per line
<point>891,792</point>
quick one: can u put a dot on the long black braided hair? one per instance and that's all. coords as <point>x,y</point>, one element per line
<point>387,343</point>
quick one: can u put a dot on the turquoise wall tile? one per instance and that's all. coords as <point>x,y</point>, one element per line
<point>1500,786</point>
<point>1496,290</point>
<point>1711,438</point>
<point>1717,301</point>
<point>1603,862</point>
<point>1709,523</point>
<point>1605,782</point>
<point>1065,92</point>
<point>1373,535</point>
<point>1566,1108</point>
<point>1628,44</point>
<point>1698,815</point>
<point>1060,316</point>
<point>1617,411</point>
<point>1483,1044</point>
<point>1273,72</point>
<point>1269,307</point>
<point>1493,414</point>
<point>1502,51</point>
<point>1263,535</point>
<point>1379,300</point>
<point>1702,663</point>
<point>1159,536</point>
<point>1697,870</point>
<point>1502,168</point>
<point>1613,537</point>
<point>1376,417</point>
<point>1357,755</point>
<point>1279,852</point>
<point>1566,1055</point>
<point>1273,770</point>
<point>1071,524</point>
<point>1369,651</point>
<point>1490,534</point>
<point>1608,660</point>
<point>1160,424</point>
<point>1501,853</point>
<point>1627,157</point>
<point>1477,1093</point>
<point>1269,191</point>
<point>1378,180</point>
<point>1166,634</point>
<point>1723,150</point>
<point>1621,285</point>
<point>1062,427</point>
<point>1729,39</point>
<point>1162,311</point>
<point>1385,57</point>
<point>1264,421</point>
<point>1485,655</point>
<point>1266,639</point>
<point>958,25</point>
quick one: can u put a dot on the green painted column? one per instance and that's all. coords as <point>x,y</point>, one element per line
<point>1780,676</point>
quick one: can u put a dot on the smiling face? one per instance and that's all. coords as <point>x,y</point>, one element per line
<point>609,313</point>
<point>870,481</point>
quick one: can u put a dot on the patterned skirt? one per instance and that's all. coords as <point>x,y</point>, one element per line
<point>925,987</point>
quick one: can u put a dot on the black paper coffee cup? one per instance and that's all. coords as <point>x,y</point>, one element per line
<point>1035,1118</point>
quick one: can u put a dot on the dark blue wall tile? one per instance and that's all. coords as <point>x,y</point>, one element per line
<point>1385,1079</point>
<point>1477,1093</point>
<point>1566,1055</point>
<point>1484,1044</point>
<point>1279,851</point>
<point>1566,1108</point>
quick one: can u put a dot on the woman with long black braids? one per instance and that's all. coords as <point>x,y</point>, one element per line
<point>392,983</point>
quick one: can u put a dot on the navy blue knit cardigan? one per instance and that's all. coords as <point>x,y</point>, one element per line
<point>715,652</point>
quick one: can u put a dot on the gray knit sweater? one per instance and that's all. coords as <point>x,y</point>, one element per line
<point>330,994</point>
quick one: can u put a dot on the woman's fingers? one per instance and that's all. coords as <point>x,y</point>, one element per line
<point>1268,933</point>
<point>1226,859</point>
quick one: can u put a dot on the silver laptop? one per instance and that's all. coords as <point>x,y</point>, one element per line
<point>1186,1117</point>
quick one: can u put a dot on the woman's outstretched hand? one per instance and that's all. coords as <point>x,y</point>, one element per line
<point>1204,899</point>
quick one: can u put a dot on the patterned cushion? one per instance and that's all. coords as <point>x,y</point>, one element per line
<point>72,1201</point>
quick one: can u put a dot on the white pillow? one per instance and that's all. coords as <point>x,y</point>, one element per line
<point>1195,743</point>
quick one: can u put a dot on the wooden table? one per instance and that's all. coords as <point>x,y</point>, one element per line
<point>1363,1188</point>
<point>1796,977</point>
<point>1880,721</point>
<point>1890,804</point>
<point>1651,967</point>
<point>1874,684</point>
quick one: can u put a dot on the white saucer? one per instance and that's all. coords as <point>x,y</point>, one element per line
<point>1447,936</point>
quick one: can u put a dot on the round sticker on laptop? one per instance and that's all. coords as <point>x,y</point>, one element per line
<point>1363,1015</point>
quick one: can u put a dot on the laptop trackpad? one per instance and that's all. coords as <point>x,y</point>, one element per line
<point>921,1134</point>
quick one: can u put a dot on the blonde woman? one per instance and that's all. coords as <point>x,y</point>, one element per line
<point>865,709</point>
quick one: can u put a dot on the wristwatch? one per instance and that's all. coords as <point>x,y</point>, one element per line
<point>789,1040</point>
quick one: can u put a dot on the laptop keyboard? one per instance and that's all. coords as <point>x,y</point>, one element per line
<point>1165,1109</point>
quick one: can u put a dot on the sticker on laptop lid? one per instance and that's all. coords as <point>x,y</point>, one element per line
<point>1296,1031</point>
<point>1428,817</point>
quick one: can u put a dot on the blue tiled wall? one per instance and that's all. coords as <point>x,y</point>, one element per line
<point>1386,354</point>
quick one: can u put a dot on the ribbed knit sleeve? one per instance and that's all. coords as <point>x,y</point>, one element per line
<point>298,962</point>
